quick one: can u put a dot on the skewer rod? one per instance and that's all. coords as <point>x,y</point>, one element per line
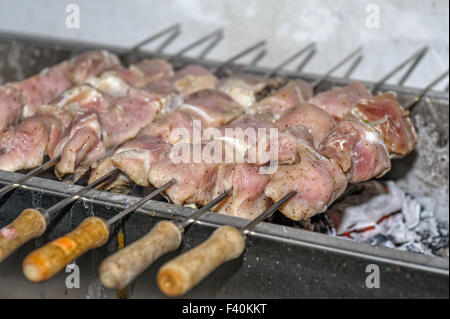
<point>267,213</point>
<point>139,203</point>
<point>172,29</point>
<point>217,33</point>
<point>335,67</point>
<point>415,100</point>
<point>6,189</point>
<point>240,55</point>
<point>80,193</point>
<point>119,269</point>
<point>200,212</point>
<point>290,59</point>
<point>181,274</point>
<point>383,80</point>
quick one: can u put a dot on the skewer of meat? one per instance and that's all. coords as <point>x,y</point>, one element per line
<point>116,83</point>
<point>207,105</point>
<point>136,157</point>
<point>222,260</point>
<point>184,272</point>
<point>25,145</point>
<point>23,99</point>
<point>85,68</point>
<point>177,277</point>
<point>196,108</point>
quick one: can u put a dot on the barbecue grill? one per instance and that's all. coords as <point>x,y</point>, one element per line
<point>279,261</point>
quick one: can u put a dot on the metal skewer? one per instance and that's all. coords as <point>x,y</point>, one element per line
<point>6,189</point>
<point>409,105</point>
<point>210,46</point>
<point>181,274</point>
<point>306,60</point>
<point>119,269</point>
<point>291,58</point>
<point>32,222</point>
<point>412,67</point>
<point>93,232</point>
<point>212,35</point>
<point>173,29</point>
<point>353,67</point>
<point>416,56</point>
<point>258,58</point>
<point>335,67</point>
<point>239,55</point>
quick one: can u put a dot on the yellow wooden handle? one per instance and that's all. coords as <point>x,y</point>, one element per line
<point>118,270</point>
<point>50,259</point>
<point>28,225</point>
<point>181,274</point>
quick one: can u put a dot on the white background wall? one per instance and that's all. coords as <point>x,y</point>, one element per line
<point>338,26</point>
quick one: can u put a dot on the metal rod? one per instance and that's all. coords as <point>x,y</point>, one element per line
<point>172,29</point>
<point>218,32</point>
<point>139,203</point>
<point>200,212</point>
<point>80,193</point>
<point>240,55</point>
<point>267,213</point>
<point>210,47</point>
<point>6,189</point>
<point>398,68</point>
<point>411,68</point>
<point>416,99</point>
<point>337,66</point>
<point>291,58</point>
<point>258,57</point>
<point>306,60</point>
<point>353,67</point>
<point>167,42</point>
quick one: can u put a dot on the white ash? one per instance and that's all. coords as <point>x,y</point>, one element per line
<point>408,224</point>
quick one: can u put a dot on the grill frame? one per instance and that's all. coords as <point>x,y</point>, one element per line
<point>403,265</point>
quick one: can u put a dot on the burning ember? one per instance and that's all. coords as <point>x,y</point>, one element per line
<point>383,214</point>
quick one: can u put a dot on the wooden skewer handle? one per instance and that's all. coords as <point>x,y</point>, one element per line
<point>181,274</point>
<point>50,259</point>
<point>28,225</point>
<point>118,270</point>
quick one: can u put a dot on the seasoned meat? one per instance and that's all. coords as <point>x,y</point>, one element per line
<point>83,137</point>
<point>92,63</point>
<point>244,88</point>
<point>212,107</point>
<point>273,107</point>
<point>126,117</point>
<point>316,180</point>
<point>43,87</point>
<point>154,69</point>
<point>388,117</point>
<point>164,128</point>
<point>195,181</point>
<point>25,145</point>
<point>358,149</point>
<point>11,102</point>
<point>247,199</point>
<point>136,157</point>
<point>317,121</point>
<point>193,78</point>
<point>339,101</point>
